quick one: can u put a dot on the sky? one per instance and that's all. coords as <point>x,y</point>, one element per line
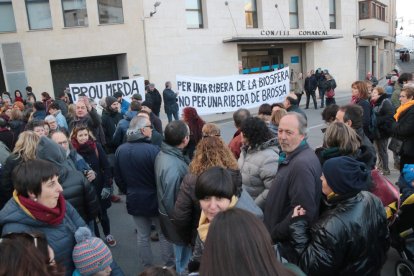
<point>405,17</point>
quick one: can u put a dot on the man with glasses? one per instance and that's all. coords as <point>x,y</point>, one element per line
<point>134,173</point>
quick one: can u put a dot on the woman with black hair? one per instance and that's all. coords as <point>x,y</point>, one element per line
<point>216,192</point>
<point>247,251</point>
<point>258,159</point>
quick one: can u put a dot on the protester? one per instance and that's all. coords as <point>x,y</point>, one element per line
<point>171,165</point>
<point>404,128</point>
<point>297,180</point>
<point>39,111</point>
<point>360,97</point>
<point>403,79</point>
<point>61,103</point>
<point>330,86</point>
<point>6,135</point>
<point>310,88</point>
<point>124,105</point>
<point>211,151</point>
<point>156,137</point>
<point>90,255</point>
<point>24,150</point>
<point>170,102</point>
<point>238,243</point>
<point>275,120</point>
<point>37,126</point>
<point>291,105</point>
<point>345,250</point>
<point>50,121</point>
<point>258,159</point>
<point>83,141</point>
<point>264,113</point>
<point>383,111</point>
<point>18,105</point>
<point>16,122</point>
<point>372,79</point>
<point>110,119</point>
<point>236,143</point>
<point>18,97</point>
<point>352,116</point>
<point>136,98</point>
<point>155,120</point>
<point>123,125</point>
<point>38,204</point>
<point>216,192</point>
<point>139,185</point>
<point>55,110</point>
<point>195,124</point>
<point>154,97</point>
<point>320,79</point>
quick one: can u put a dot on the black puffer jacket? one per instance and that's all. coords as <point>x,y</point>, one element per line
<point>76,188</point>
<point>350,238</point>
<point>404,130</point>
<point>384,112</point>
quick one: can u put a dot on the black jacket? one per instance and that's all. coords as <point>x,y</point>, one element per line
<point>110,120</point>
<point>404,130</point>
<point>6,183</point>
<point>310,84</point>
<point>170,101</point>
<point>350,238</point>
<point>384,112</point>
<point>76,188</point>
<point>155,98</point>
<point>366,119</point>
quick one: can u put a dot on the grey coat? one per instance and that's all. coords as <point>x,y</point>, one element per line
<point>258,168</point>
<point>60,237</point>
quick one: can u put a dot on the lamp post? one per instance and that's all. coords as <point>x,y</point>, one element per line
<point>156,4</point>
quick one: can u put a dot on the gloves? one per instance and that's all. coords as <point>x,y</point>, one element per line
<point>106,192</point>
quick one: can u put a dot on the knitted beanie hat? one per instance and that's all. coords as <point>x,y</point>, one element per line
<point>90,254</point>
<point>110,100</point>
<point>408,172</point>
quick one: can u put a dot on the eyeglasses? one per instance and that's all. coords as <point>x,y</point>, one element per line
<point>63,143</point>
<point>148,126</point>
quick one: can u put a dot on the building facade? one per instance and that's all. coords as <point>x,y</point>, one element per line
<point>49,44</point>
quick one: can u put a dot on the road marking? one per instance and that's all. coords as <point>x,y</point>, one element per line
<point>317,126</point>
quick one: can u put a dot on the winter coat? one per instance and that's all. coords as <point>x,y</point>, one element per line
<point>78,161</point>
<point>60,237</point>
<point>122,127</point>
<point>384,112</point>
<point>187,207</point>
<point>156,122</point>
<point>311,84</point>
<point>4,153</point>
<point>110,120</point>
<point>258,168</point>
<point>395,97</point>
<point>368,151</point>
<point>170,168</point>
<point>61,120</point>
<point>138,184</point>
<point>366,119</point>
<point>124,107</point>
<point>7,137</point>
<point>76,188</point>
<point>297,109</point>
<point>93,121</point>
<point>236,143</point>
<point>17,127</point>
<point>170,101</point>
<point>6,183</point>
<point>63,106</point>
<point>297,182</point>
<point>155,98</point>
<point>98,161</point>
<point>39,115</point>
<point>404,130</point>
<point>351,238</point>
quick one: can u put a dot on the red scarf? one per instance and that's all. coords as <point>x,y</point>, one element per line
<point>18,99</point>
<point>89,146</point>
<point>354,99</point>
<point>52,216</point>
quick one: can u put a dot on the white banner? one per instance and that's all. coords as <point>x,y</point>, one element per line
<point>99,90</point>
<point>227,94</point>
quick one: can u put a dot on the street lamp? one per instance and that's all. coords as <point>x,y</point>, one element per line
<point>156,4</point>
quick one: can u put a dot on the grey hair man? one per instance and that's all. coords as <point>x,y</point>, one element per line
<point>236,143</point>
<point>139,186</point>
<point>297,181</point>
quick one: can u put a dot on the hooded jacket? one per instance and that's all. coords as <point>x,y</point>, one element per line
<point>76,188</point>
<point>258,168</point>
<point>353,234</point>
<point>60,237</point>
<point>122,127</point>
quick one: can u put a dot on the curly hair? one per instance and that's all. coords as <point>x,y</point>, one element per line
<point>211,129</point>
<point>26,145</point>
<point>212,151</point>
<point>255,131</point>
<point>75,131</point>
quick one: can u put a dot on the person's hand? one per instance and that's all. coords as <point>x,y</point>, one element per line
<point>298,211</point>
<point>106,192</point>
<point>90,175</point>
<point>87,103</point>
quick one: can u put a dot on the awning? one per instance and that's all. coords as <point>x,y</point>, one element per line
<point>279,39</point>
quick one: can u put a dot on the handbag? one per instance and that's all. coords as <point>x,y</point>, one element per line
<point>330,94</point>
<point>395,145</point>
<point>384,189</point>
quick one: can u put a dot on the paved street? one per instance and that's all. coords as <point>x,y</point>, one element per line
<point>125,253</point>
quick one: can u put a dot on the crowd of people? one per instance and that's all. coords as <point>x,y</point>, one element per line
<point>264,204</point>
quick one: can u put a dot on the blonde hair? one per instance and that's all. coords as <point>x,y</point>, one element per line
<point>210,129</point>
<point>72,110</point>
<point>26,145</point>
<point>343,137</point>
<point>211,151</point>
<point>277,115</point>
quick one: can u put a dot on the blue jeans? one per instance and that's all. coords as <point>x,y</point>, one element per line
<point>171,114</point>
<point>143,225</point>
<point>182,257</point>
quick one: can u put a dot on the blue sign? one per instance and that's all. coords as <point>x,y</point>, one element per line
<point>294,59</point>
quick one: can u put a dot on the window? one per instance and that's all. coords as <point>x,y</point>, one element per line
<point>332,14</point>
<point>110,11</point>
<point>194,14</point>
<point>293,14</point>
<point>38,14</point>
<point>372,9</point>
<point>74,13</point>
<point>7,23</point>
<point>250,12</point>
